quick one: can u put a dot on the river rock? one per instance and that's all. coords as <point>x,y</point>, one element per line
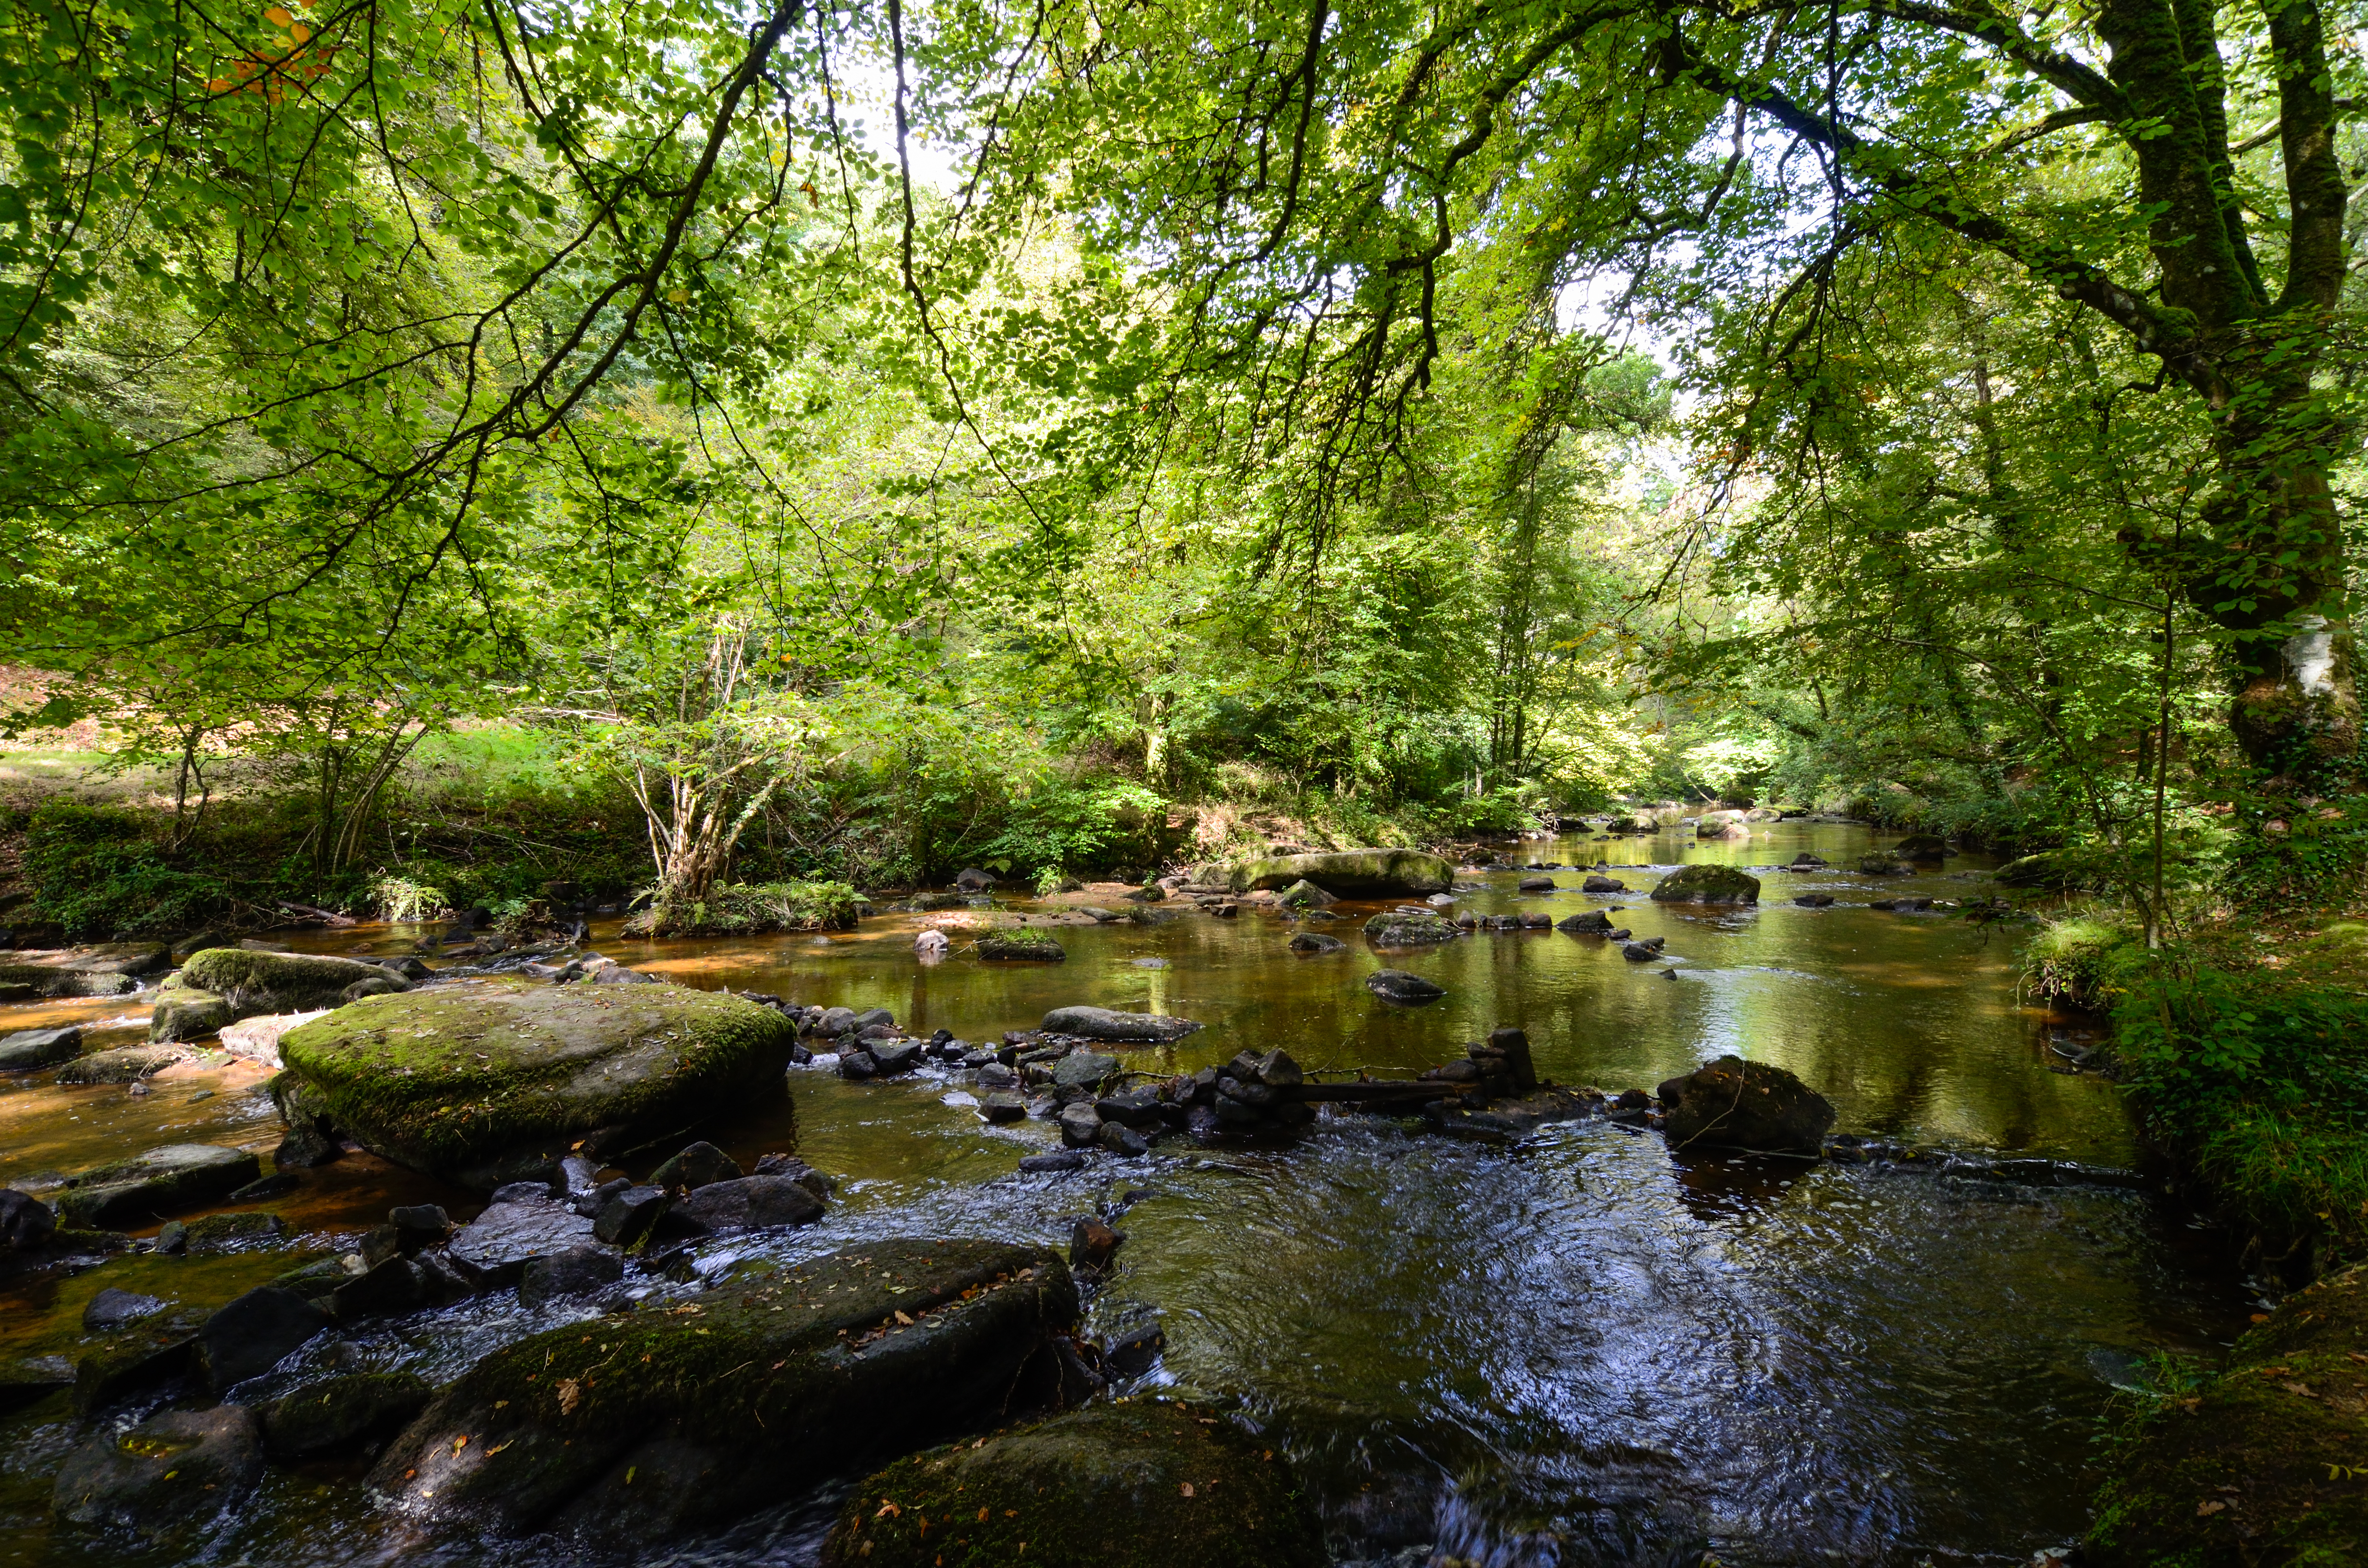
<point>255,1333</point>
<point>1021,944</point>
<point>125,1064</point>
<point>1081,1125</point>
<point>2249,1468</point>
<point>257,1038</point>
<point>1350,873</point>
<point>1142,1482</point>
<point>1594,923</point>
<point>1313,942</point>
<point>171,1470</point>
<point>1815,900</point>
<point>111,1308</point>
<point>1733,1104</point>
<point>1536,885</point>
<point>932,944</point>
<point>26,1223</point>
<point>626,1219</point>
<point>1305,894</point>
<point>644,1427</point>
<point>1100,1023</point>
<point>1398,985</point>
<point>1398,929</point>
<point>28,1050</point>
<point>697,1165</point>
<point>1003,1106</point>
<point>1597,882</point>
<point>184,1012</point>
<point>149,1186</point>
<point>1923,847</point>
<point>484,1081</point>
<point>1884,863</point>
<point>970,880</point>
<point>1084,1069</point>
<point>339,1415</point>
<point>494,1248</point>
<point>750,1203</point>
<point>1703,882</point>
<point>564,1276</point>
<point>255,985</point>
<point>53,979</point>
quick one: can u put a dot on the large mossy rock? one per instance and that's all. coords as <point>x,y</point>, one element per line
<point>183,1012</point>
<point>1705,882</point>
<point>147,1187</point>
<point>636,1428</point>
<point>484,1081</point>
<point>1735,1104</point>
<point>1350,873</point>
<point>173,1470</point>
<point>2265,1464</point>
<point>1021,944</point>
<point>255,984</point>
<point>1142,1483</point>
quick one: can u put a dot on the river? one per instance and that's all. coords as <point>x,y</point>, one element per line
<point>1568,1350</point>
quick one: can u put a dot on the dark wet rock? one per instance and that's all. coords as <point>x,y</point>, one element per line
<point>1003,1106</point>
<point>1350,873</point>
<point>1101,1023</point>
<point>1123,1140</point>
<point>33,1378</point>
<point>125,1064</point>
<point>2249,1468</point>
<point>870,1350</point>
<point>481,1081</point>
<point>1052,1162</point>
<point>339,1415</point>
<point>1397,986</point>
<point>1512,1047</point>
<point>1092,1244</point>
<point>1315,942</point>
<point>1135,1351</point>
<point>111,1308</point>
<point>184,1012</point>
<point>171,1469</point>
<point>419,1225</point>
<point>1884,863</point>
<point>28,1050</point>
<point>1733,1104</point>
<point>751,1203</point>
<point>1594,923</point>
<point>857,1064</point>
<point>1596,883</point>
<point>386,1289</point>
<point>254,1333</point>
<point>1084,1069</point>
<point>1537,884</point>
<point>577,1271</point>
<point>627,1220</point>
<point>1639,952</point>
<point>279,1184</point>
<point>1022,944</point>
<point>970,880</point>
<point>890,1058</point>
<point>1815,901</point>
<point>494,1249</point>
<point>695,1167</point>
<point>235,1232</point>
<point>1142,1483</point>
<point>1081,1126</point>
<point>1703,882</point>
<point>147,1185</point>
<point>1401,929</point>
<point>136,1359</point>
<point>26,1223</point>
<point>1922,847</point>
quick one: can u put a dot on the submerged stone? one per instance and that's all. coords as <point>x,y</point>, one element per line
<point>29,1050</point>
<point>1101,1023</point>
<point>1397,929</point>
<point>125,1064</point>
<point>1397,986</point>
<point>171,1470</point>
<point>1146,1483</point>
<point>634,1428</point>
<point>149,1186</point>
<point>484,1081</point>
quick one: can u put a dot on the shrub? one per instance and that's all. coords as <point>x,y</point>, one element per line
<point>2082,961</point>
<point>95,873</point>
<point>744,908</point>
<point>400,898</point>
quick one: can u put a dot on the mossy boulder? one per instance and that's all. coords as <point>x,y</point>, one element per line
<point>150,1184</point>
<point>1021,944</point>
<point>1705,882</point>
<point>171,1471</point>
<point>255,984</point>
<point>1396,930</point>
<point>1350,873</point>
<point>2265,1464</point>
<point>642,1426</point>
<point>484,1081</point>
<point>1925,847</point>
<point>184,1012</point>
<point>337,1415</point>
<point>123,1065</point>
<point>53,979</point>
<point>1143,1484</point>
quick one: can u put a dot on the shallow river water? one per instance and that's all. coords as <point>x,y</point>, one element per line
<point>1570,1349</point>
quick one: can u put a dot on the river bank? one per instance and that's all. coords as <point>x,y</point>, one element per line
<point>1568,1336</point>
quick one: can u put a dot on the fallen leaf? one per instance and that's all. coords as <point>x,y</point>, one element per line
<point>2206,1509</point>
<point>903,1319</point>
<point>888,1507</point>
<point>1188,1489</point>
<point>2302,1390</point>
<point>570,1394</point>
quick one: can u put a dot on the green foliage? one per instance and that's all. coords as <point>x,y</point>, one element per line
<point>406,901</point>
<point>2086,961</point>
<point>96,873</point>
<point>744,909</point>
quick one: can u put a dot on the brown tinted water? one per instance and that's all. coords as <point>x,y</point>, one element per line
<point>1571,1349</point>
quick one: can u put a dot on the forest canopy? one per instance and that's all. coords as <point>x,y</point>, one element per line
<point>892,436</point>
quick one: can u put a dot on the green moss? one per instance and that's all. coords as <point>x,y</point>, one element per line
<point>2265,1462</point>
<point>1146,1484</point>
<point>1024,944</point>
<point>1391,930</point>
<point>2083,962</point>
<point>1706,882</point>
<point>273,982</point>
<point>455,1079</point>
<point>1350,873</point>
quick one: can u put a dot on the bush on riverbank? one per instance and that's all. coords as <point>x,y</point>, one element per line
<point>749,909</point>
<point>2082,960</point>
